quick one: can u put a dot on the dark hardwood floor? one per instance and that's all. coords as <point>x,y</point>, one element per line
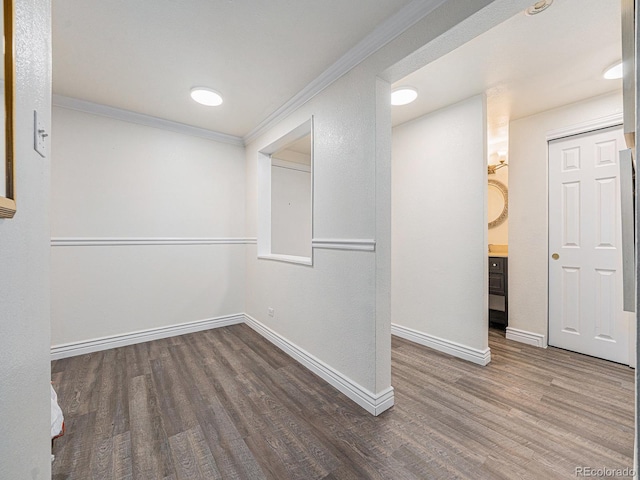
<point>225,403</point>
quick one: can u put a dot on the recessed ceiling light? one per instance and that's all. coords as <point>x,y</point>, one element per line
<point>403,95</point>
<point>538,7</point>
<point>206,96</point>
<point>613,72</point>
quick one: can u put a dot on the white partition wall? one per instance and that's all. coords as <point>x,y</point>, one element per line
<point>25,368</point>
<point>439,230</point>
<point>337,311</point>
<point>147,229</point>
<point>325,313</point>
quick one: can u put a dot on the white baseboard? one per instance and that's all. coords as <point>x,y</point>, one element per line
<point>114,341</point>
<point>481,357</point>
<point>372,403</point>
<point>530,338</point>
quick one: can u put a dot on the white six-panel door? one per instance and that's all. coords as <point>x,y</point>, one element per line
<point>585,257</point>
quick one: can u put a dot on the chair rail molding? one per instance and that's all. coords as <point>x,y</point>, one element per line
<point>344,244</point>
<point>129,241</point>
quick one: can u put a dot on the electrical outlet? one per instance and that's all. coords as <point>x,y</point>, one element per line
<point>270,311</point>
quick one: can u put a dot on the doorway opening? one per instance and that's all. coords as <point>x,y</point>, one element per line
<point>490,103</point>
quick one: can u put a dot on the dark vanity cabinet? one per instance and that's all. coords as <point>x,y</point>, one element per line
<point>498,297</point>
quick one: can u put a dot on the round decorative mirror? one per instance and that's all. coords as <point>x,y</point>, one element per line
<point>498,203</point>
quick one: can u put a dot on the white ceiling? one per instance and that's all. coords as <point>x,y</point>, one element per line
<point>302,145</point>
<point>526,65</point>
<point>298,151</point>
<point>145,55</point>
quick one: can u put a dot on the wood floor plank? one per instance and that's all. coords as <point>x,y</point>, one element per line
<point>192,457</point>
<point>464,405</point>
<point>101,465</point>
<point>137,359</point>
<point>233,395</point>
<point>231,454</point>
<point>217,348</point>
<point>226,404</point>
<point>150,449</point>
<point>122,465</point>
<point>292,431</point>
<point>78,389</point>
<point>78,454</point>
<point>174,402</point>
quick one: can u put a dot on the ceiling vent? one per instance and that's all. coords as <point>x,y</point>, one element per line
<point>538,7</point>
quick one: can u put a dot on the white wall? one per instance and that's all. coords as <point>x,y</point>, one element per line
<point>25,369</point>
<point>438,262</point>
<point>113,179</point>
<point>328,309</point>
<point>290,211</point>
<point>528,220</point>
<point>339,309</point>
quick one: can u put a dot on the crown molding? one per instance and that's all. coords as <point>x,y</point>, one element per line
<point>142,119</point>
<point>378,38</point>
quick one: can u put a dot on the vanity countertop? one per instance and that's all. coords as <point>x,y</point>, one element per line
<point>496,250</point>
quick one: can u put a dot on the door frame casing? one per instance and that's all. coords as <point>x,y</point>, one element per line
<point>612,120</point>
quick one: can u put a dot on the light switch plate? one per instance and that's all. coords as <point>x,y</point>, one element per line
<point>39,136</point>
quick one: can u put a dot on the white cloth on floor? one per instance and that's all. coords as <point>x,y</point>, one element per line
<point>56,415</point>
